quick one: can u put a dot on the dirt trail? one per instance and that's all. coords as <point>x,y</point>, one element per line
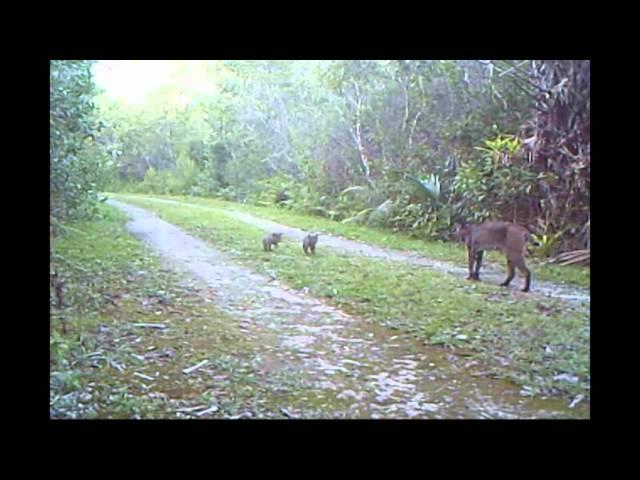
<point>354,368</point>
<point>575,295</point>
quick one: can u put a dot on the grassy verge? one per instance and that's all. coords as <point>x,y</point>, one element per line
<point>104,366</point>
<point>446,251</point>
<point>540,344</point>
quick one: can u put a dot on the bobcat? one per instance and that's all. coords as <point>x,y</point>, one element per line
<point>495,235</point>
<point>309,243</point>
<point>271,239</point>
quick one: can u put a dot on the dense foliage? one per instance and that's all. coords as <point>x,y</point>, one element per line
<point>407,145</point>
<point>77,159</point>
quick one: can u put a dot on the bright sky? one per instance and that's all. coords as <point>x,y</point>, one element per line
<point>133,80</point>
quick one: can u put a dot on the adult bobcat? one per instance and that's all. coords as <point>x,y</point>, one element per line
<point>495,235</point>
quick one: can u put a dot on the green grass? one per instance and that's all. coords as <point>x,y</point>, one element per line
<point>438,250</point>
<point>95,350</point>
<point>523,338</point>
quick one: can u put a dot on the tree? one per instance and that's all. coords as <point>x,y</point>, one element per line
<point>75,158</point>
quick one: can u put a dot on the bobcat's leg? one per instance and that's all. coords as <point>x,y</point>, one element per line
<point>510,275</point>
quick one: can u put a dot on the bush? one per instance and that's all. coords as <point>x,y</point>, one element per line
<point>180,181</point>
<point>495,185</point>
<point>75,159</point>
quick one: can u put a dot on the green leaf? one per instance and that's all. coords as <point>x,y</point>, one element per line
<point>429,186</point>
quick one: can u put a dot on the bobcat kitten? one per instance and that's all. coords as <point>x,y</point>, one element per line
<point>309,243</point>
<point>271,239</point>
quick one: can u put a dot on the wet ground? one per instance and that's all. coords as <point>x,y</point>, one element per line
<point>354,368</point>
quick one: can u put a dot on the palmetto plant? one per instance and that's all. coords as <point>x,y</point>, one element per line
<point>546,243</point>
<point>429,186</point>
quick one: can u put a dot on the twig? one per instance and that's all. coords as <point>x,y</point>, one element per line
<point>187,371</point>
<point>146,377</point>
<point>190,409</point>
<point>160,326</point>
<point>586,258</point>
<point>242,415</point>
<point>116,365</point>
<point>286,413</point>
<point>208,410</point>
<point>574,256</point>
<point>576,400</point>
